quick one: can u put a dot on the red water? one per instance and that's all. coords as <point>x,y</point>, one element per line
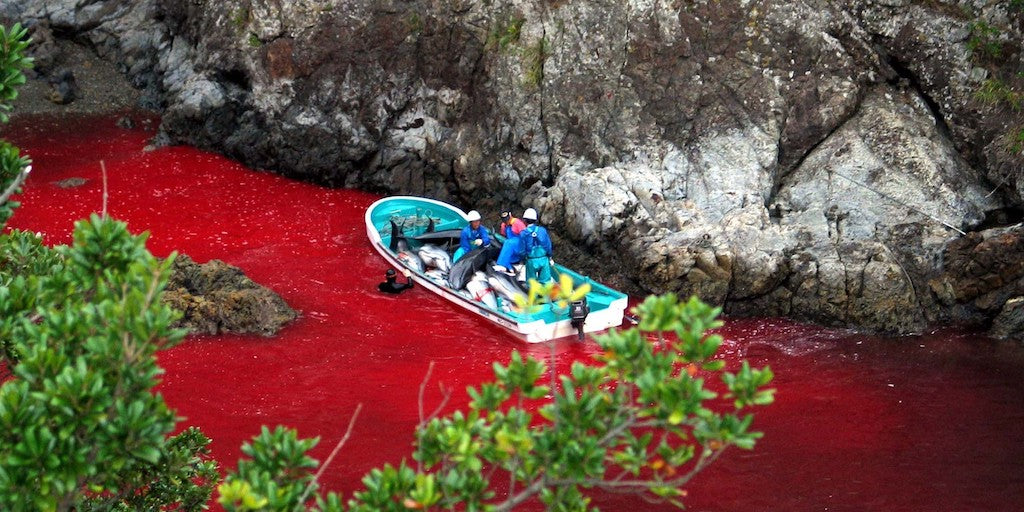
<point>860,423</point>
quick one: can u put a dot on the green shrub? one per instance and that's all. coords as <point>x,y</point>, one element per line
<point>80,426</point>
<point>984,40</point>
<point>13,62</point>
<point>534,57</point>
<point>240,18</point>
<point>1015,144</point>
<point>996,92</point>
<point>13,43</point>
<point>505,33</point>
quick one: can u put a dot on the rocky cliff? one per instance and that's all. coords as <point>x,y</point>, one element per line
<point>839,161</point>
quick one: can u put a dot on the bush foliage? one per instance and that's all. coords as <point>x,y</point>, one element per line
<point>80,426</point>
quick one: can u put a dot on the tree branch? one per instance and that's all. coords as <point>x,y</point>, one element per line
<point>103,168</point>
<point>18,180</point>
<point>419,402</point>
<point>641,485</point>
<point>327,462</point>
<point>423,387</point>
<point>433,414</point>
<point>523,495</point>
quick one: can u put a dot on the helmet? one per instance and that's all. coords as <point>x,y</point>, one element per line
<point>390,272</point>
<point>530,214</point>
<point>506,214</point>
<point>473,215</point>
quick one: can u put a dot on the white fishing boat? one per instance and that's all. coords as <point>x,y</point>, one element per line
<point>400,227</point>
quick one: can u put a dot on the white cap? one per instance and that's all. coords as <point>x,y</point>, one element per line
<point>473,215</point>
<point>530,214</point>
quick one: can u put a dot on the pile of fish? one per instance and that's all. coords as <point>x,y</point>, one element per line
<point>471,275</point>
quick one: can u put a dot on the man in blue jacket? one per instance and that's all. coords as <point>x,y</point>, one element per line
<point>535,248</point>
<point>474,235</point>
<point>511,227</point>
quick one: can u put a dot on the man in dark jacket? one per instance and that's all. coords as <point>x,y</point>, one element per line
<point>390,286</point>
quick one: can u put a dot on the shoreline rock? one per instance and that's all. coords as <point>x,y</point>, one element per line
<point>91,85</point>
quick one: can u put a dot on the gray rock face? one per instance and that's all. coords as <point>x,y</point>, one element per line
<point>811,158</point>
<point>966,57</point>
<point>879,199</point>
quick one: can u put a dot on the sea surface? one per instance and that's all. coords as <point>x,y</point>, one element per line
<point>861,422</point>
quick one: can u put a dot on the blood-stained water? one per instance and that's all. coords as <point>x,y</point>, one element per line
<point>930,422</point>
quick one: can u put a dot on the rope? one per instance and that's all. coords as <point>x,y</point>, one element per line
<point>897,201</point>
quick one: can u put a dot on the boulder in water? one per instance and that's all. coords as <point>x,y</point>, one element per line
<point>217,298</point>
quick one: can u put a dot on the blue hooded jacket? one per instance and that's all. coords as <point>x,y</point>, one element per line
<point>469,234</point>
<point>531,239</point>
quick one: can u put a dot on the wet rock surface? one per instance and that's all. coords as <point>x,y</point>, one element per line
<point>816,159</point>
<point>982,278</point>
<point>1009,323</point>
<point>217,298</point>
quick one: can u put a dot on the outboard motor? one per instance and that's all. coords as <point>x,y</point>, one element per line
<point>578,312</point>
